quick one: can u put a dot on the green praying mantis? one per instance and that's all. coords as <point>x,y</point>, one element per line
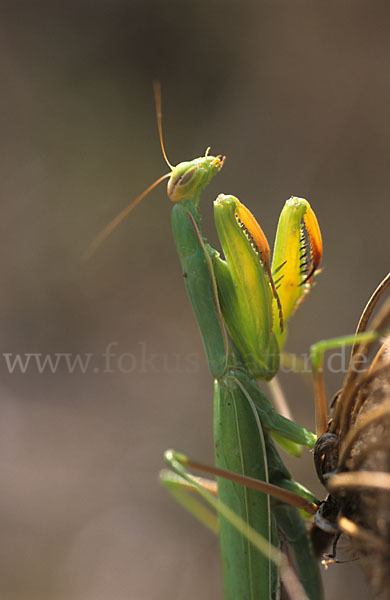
<point>242,303</point>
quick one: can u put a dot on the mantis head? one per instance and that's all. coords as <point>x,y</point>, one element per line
<point>189,178</point>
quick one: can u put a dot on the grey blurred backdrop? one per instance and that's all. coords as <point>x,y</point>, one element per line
<point>296,94</point>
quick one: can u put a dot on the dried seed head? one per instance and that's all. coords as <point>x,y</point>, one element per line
<point>353,458</point>
<point>365,456</point>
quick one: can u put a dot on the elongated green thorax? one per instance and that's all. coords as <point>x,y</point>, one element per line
<point>201,286</point>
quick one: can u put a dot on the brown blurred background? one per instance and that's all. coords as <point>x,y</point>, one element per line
<point>296,94</point>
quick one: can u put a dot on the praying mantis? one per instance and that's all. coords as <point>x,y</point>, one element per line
<point>242,304</point>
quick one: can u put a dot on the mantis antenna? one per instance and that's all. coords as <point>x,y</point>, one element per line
<point>158,104</point>
<point>103,235</point>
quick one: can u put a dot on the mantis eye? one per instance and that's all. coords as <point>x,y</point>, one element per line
<point>186,177</point>
<point>177,181</point>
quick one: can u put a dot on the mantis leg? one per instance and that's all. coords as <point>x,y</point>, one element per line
<point>270,419</point>
<point>289,522</point>
<point>181,482</point>
<point>317,352</point>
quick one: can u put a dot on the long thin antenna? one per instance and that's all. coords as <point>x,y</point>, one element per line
<point>158,103</point>
<point>103,235</point>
